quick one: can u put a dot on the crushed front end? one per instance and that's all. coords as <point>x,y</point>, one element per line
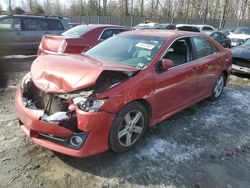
<point>67,123</point>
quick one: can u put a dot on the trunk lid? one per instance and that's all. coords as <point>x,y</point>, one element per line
<point>52,43</point>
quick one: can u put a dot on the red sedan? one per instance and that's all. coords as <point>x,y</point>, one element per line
<point>82,105</point>
<point>78,39</point>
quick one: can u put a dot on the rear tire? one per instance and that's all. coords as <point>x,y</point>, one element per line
<point>218,88</point>
<point>128,127</point>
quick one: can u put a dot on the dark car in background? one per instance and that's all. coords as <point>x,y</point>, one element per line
<point>23,33</point>
<point>220,38</point>
<point>239,36</point>
<point>241,58</point>
<point>195,28</point>
<point>226,31</point>
<point>78,39</point>
<point>183,27</point>
<point>167,26</point>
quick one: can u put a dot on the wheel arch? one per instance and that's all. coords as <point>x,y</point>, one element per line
<point>147,106</point>
<point>225,73</point>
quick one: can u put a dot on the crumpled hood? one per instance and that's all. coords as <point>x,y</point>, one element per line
<point>241,52</point>
<point>64,74</point>
<point>239,36</point>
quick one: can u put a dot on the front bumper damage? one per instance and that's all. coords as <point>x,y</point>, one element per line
<point>92,127</point>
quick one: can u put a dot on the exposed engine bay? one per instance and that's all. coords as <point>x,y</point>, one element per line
<point>60,108</point>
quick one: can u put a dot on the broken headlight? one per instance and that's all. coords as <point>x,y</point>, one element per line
<point>89,105</point>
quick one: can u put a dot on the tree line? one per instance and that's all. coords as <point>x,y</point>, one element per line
<point>210,9</point>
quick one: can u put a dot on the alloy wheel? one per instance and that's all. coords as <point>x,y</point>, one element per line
<point>131,128</point>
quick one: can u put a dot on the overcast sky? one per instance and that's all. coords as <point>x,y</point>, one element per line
<point>4,3</point>
<point>16,3</point>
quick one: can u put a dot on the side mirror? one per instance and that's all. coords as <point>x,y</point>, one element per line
<point>166,64</point>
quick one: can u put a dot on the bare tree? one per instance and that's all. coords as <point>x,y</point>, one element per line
<point>243,9</point>
<point>104,4</point>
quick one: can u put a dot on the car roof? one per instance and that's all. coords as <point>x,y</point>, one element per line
<point>105,25</point>
<point>202,25</point>
<point>33,16</point>
<point>162,33</point>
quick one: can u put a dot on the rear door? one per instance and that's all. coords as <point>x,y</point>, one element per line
<point>34,30</point>
<point>11,35</point>
<point>207,58</point>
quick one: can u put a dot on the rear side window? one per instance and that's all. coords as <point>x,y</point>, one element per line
<point>77,31</point>
<point>10,24</point>
<point>55,25</point>
<point>35,24</point>
<point>110,32</point>
<point>203,47</point>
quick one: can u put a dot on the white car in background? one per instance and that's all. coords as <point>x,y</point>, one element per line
<point>205,27</point>
<point>239,36</point>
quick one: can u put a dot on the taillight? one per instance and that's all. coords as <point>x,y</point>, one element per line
<point>62,47</point>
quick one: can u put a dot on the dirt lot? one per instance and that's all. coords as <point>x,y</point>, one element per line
<point>207,145</point>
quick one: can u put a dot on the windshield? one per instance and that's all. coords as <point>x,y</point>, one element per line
<point>77,31</point>
<point>133,50</point>
<point>245,31</point>
<point>247,43</point>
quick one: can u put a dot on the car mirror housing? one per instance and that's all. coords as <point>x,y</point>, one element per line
<point>166,64</point>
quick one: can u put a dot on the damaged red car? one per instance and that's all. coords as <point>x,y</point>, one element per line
<point>82,105</point>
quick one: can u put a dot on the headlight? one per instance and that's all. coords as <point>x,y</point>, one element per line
<point>89,105</point>
<point>25,81</point>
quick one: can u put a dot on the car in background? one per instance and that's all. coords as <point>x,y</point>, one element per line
<point>81,105</point>
<point>195,28</point>
<point>184,27</point>
<point>149,25</point>
<point>73,24</point>
<point>21,34</point>
<point>167,26</point>
<point>226,31</point>
<point>205,28</point>
<point>220,38</point>
<point>241,58</point>
<point>78,39</point>
<point>239,36</point>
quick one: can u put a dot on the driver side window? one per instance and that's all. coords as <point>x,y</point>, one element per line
<point>179,52</point>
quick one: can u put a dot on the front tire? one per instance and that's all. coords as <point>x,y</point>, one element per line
<point>128,127</point>
<point>218,88</point>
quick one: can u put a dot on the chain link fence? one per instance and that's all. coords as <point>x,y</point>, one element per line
<point>132,21</point>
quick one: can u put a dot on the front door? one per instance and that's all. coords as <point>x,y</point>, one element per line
<point>176,87</point>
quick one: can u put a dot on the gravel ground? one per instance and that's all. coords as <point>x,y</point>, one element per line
<point>206,145</point>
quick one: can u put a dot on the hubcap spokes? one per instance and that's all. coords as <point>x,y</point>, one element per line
<point>131,128</point>
<point>219,86</point>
